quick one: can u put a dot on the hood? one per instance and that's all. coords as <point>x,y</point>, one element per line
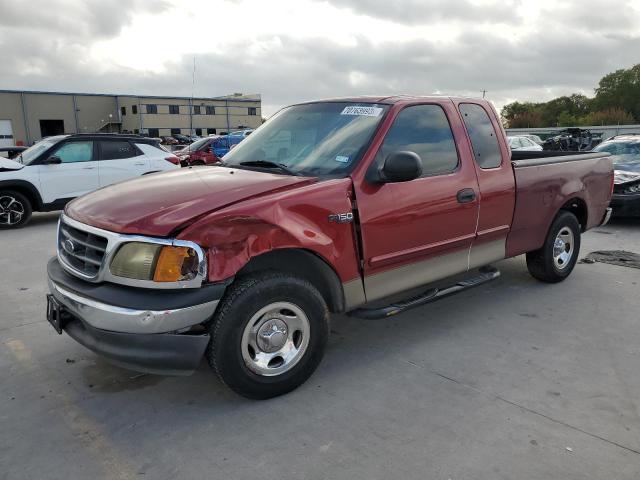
<point>162,203</point>
<point>6,164</point>
<point>626,173</point>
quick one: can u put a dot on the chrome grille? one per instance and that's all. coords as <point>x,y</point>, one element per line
<point>82,251</point>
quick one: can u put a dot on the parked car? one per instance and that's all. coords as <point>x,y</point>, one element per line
<point>182,139</point>
<point>12,151</point>
<point>522,142</point>
<point>571,139</point>
<point>330,206</point>
<point>535,138</point>
<point>57,169</point>
<point>626,161</point>
<point>241,133</point>
<point>168,141</point>
<point>206,151</point>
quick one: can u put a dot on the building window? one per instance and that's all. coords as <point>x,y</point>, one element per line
<point>196,109</point>
<point>152,109</point>
<point>210,109</point>
<point>175,131</point>
<point>211,131</point>
<point>174,109</point>
<point>134,109</point>
<point>123,110</point>
<point>154,132</point>
<point>253,111</point>
<point>199,132</point>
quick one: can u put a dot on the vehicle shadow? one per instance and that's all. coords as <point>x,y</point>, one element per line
<point>43,218</point>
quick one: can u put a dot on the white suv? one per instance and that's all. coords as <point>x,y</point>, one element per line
<point>57,169</point>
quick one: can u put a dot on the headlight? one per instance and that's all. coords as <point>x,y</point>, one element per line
<point>147,261</point>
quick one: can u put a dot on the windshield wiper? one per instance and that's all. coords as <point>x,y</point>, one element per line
<point>268,164</point>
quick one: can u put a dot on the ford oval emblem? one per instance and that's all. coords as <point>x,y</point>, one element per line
<point>68,246</point>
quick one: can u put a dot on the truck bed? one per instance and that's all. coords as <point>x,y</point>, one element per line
<point>548,181</point>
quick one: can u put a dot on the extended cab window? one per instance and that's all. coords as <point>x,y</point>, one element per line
<point>484,139</point>
<point>73,152</point>
<point>113,150</point>
<point>424,130</point>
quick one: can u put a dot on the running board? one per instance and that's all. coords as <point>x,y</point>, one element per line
<point>485,274</point>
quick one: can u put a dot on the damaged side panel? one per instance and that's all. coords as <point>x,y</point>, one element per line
<point>282,220</point>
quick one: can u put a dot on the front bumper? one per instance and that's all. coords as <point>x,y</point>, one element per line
<point>626,205</point>
<point>140,329</point>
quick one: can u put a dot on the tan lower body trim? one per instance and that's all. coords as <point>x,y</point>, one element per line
<point>437,268</point>
<point>353,294</point>
<point>487,252</point>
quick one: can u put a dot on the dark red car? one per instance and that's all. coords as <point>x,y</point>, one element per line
<point>330,207</point>
<point>206,151</point>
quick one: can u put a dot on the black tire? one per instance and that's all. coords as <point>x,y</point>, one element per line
<point>18,203</point>
<point>541,263</point>
<point>244,299</point>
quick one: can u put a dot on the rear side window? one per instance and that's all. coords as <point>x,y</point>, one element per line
<point>424,130</point>
<point>484,140</point>
<point>114,150</point>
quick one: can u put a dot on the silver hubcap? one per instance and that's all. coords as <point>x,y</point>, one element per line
<point>275,339</point>
<point>11,210</point>
<point>563,248</point>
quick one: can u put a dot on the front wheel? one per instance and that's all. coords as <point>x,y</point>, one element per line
<point>15,210</point>
<point>268,335</point>
<point>558,256</point>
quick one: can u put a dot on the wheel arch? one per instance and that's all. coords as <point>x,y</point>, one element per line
<point>579,208</point>
<point>304,264</point>
<point>25,188</point>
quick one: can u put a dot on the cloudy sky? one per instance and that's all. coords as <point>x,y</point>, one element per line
<point>293,50</point>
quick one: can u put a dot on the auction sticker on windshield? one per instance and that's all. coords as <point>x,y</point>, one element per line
<point>362,111</point>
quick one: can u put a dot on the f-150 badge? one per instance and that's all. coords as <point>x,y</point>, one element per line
<point>341,217</point>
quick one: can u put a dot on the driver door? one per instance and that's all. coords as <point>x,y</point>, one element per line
<point>419,231</point>
<point>76,175</point>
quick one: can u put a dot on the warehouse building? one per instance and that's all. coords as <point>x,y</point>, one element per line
<point>26,116</point>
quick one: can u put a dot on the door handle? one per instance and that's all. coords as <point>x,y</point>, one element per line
<point>88,168</point>
<point>139,163</point>
<point>466,195</point>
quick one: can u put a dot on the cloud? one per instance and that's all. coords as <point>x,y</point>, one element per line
<point>412,12</point>
<point>549,56</point>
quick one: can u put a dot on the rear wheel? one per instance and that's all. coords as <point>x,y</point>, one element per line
<point>268,335</point>
<point>15,209</point>
<point>558,256</point>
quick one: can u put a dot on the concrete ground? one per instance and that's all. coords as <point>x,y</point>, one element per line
<point>513,380</point>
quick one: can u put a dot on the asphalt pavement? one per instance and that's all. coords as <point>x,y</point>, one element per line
<point>515,379</point>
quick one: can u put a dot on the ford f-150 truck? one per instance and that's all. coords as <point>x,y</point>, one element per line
<point>329,207</point>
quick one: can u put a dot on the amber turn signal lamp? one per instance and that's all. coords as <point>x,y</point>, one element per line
<point>171,264</point>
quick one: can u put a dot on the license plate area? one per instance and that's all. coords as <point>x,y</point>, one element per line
<point>55,312</point>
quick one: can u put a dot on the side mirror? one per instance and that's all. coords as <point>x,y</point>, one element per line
<point>52,161</point>
<point>400,167</point>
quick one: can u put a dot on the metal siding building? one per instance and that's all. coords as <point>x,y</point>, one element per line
<point>27,116</point>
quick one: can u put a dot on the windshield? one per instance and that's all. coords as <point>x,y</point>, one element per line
<point>33,152</point>
<point>624,152</point>
<point>315,139</point>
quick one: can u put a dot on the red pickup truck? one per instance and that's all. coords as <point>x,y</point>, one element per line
<point>329,207</point>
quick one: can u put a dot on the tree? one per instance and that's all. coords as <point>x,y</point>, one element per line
<point>620,89</point>
<point>611,116</point>
<point>616,101</point>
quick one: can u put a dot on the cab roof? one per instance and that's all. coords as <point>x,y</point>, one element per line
<point>388,99</point>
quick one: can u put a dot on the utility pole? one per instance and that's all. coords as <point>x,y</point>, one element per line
<point>193,87</point>
<point>484,92</point>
